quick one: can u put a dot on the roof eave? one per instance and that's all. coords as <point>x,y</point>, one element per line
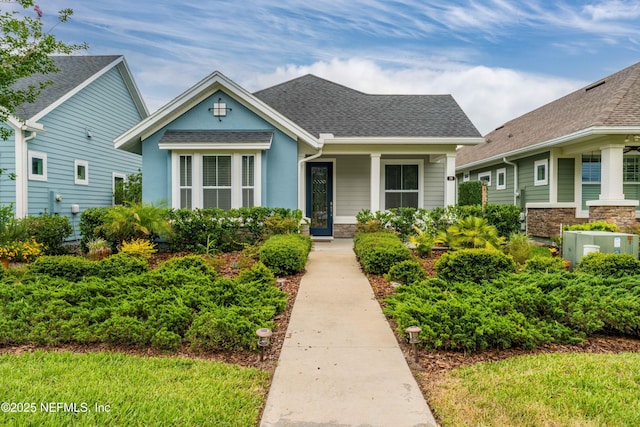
<point>431,140</point>
<point>583,133</point>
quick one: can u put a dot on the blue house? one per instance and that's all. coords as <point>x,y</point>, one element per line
<point>307,144</point>
<point>61,152</point>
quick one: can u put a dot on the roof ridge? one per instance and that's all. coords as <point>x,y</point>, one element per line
<point>619,95</point>
<point>309,75</point>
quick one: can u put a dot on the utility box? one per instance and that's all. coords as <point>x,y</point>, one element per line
<point>576,244</point>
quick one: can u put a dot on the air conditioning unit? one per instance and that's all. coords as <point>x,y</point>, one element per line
<point>576,244</point>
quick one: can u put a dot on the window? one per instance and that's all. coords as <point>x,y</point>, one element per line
<point>118,188</point>
<point>540,172</point>
<point>216,182</point>
<point>37,166</point>
<point>485,178</point>
<point>591,168</point>
<point>186,182</point>
<point>501,178</point>
<point>401,187</point>
<point>248,181</point>
<point>631,169</point>
<point>81,168</point>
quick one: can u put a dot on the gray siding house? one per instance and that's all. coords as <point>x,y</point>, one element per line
<point>61,151</point>
<point>576,159</point>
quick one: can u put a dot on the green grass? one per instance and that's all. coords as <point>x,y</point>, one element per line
<point>137,391</point>
<point>543,390</point>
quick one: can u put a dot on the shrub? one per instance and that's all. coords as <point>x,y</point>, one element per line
<point>518,247</point>
<point>125,330</point>
<point>69,267</point>
<point>193,263</point>
<point>20,251</point>
<point>609,265</point>
<point>277,225</point>
<point>406,272</point>
<point>471,232</point>
<point>378,252</point>
<point>90,221</point>
<point>139,248</point>
<point>285,253</point>
<point>258,272</point>
<point>51,231</point>
<point>505,218</point>
<point>166,340</point>
<point>423,241</point>
<point>473,265</point>
<point>593,226</point>
<point>98,248</point>
<point>139,221</point>
<point>470,193</point>
<point>544,264</point>
<point>121,265</point>
<point>223,329</point>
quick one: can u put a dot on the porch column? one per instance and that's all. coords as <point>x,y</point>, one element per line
<point>450,180</point>
<point>375,181</point>
<point>611,183</point>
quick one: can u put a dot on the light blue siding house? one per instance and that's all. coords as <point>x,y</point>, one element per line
<point>306,144</point>
<point>61,150</point>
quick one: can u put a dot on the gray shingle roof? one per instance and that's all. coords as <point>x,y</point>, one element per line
<point>74,70</point>
<point>214,136</point>
<point>612,101</point>
<point>321,106</point>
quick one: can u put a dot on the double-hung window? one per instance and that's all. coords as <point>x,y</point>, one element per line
<point>186,182</point>
<point>248,180</point>
<point>216,182</point>
<point>402,185</point>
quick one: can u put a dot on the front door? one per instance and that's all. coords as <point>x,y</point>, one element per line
<point>320,198</point>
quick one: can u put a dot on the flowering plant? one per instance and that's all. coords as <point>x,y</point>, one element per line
<point>21,251</point>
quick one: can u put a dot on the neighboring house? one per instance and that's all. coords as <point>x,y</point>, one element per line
<point>576,159</point>
<point>61,150</point>
<point>308,143</point>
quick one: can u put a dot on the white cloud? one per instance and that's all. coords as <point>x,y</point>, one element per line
<point>489,96</point>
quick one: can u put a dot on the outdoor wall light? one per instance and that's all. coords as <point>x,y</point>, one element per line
<point>281,281</point>
<point>264,338</point>
<point>414,338</point>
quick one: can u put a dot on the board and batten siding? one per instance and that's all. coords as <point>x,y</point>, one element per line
<point>104,109</point>
<point>353,184</point>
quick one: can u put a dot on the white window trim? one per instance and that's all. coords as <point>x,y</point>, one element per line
<point>77,180</point>
<point>501,171</point>
<point>485,174</point>
<point>419,162</point>
<point>37,155</point>
<point>536,164</point>
<point>236,177</point>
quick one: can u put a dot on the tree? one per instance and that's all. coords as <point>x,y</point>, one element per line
<point>25,49</point>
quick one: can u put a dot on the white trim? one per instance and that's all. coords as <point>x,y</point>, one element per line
<point>375,180</point>
<point>199,92</point>
<point>503,186</point>
<point>584,133</point>
<point>385,162</point>
<point>79,181</point>
<point>38,155</point>
<point>484,174</point>
<point>602,202</point>
<point>544,205</point>
<point>214,146</point>
<point>536,164</point>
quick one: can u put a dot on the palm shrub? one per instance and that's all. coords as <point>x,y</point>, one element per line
<point>139,221</point>
<point>423,241</point>
<point>471,232</point>
<point>473,265</point>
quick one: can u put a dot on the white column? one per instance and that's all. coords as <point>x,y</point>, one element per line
<point>553,177</point>
<point>22,173</point>
<point>450,181</point>
<point>375,181</point>
<point>611,184</point>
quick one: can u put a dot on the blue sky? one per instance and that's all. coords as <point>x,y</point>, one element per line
<point>498,58</point>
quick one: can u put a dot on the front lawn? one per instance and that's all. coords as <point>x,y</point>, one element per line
<point>542,390</point>
<point>62,388</point>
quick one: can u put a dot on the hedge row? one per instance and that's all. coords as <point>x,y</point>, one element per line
<point>183,301</point>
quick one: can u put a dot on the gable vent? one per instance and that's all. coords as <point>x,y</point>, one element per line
<point>595,85</point>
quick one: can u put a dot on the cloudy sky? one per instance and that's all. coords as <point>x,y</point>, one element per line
<point>498,58</point>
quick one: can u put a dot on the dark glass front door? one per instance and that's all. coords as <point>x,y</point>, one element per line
<point>320,198</point>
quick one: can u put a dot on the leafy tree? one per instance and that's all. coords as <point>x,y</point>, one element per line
<point>25,49</point>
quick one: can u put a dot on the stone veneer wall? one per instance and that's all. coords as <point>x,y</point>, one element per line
<point>545,222</point>
<point>624,216</point>
<point>344,231</point>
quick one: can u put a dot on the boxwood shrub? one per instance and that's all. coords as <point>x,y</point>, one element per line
<point>406,272</point>
<point>544,264</point>
<point>285,254</point>
<point>609,265</point>
<point>473,265</point>
<point>378,252</point>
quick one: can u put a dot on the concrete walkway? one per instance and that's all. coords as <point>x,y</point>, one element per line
<point>340,364</point>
